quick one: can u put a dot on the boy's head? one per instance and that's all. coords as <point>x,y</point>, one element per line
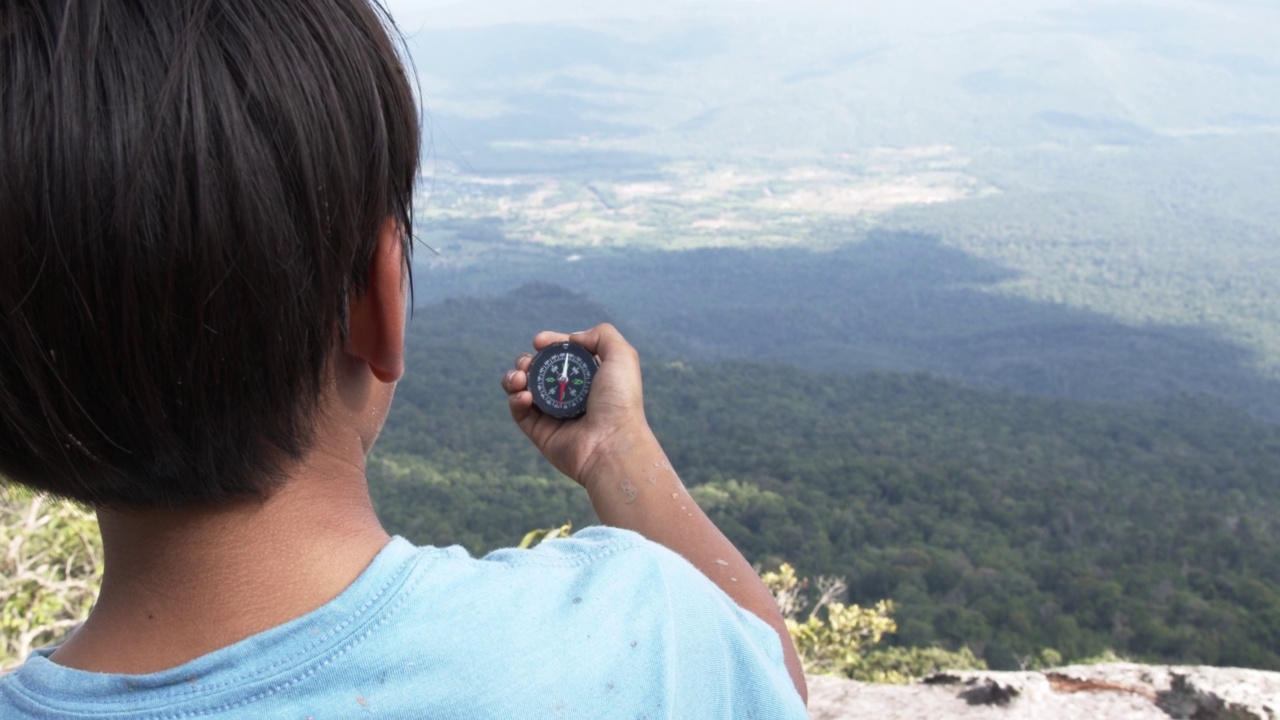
<point>191,193</point>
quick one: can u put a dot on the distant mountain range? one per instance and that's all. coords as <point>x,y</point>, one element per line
<point>721,80</point>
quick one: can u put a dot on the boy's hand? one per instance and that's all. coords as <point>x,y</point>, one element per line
<point>615,406</point>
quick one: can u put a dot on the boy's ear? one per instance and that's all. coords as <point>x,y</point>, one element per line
<point>375,327</point>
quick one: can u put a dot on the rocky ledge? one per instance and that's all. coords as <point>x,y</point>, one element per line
<point>1097,692</point>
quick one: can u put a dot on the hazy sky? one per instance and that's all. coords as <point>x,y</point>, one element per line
<point>1246,25</point>
<point>411,14</point>
<point>452,13</point>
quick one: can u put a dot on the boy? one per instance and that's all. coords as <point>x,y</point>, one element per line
<point>204,247</point>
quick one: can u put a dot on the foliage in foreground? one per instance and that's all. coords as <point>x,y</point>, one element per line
<point>50,571</point>
<point>52,567</point>
<point>839,639</point>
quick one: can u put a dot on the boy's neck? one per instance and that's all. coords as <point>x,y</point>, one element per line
<point>179,585</point>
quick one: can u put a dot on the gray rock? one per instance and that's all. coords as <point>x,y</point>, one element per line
<point>1097,692</point>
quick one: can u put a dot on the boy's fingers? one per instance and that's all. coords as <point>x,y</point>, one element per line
<point>515,381</point>
<point>585,338</point>
<point>548,337</point>
<point>599,340</point>
<point>521,406</point>
<point>605,341</point>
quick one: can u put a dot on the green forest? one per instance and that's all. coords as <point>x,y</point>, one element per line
<point>998,521</point>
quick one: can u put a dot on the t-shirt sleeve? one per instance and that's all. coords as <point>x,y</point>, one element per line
<point>722,661</point>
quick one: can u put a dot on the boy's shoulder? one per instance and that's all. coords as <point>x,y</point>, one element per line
<point>576,627</point>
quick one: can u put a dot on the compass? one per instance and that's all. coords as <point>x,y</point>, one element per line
<point>560,378</point>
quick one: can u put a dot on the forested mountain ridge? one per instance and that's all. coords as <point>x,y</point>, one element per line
<point>1000,521</point>
<point>889,301</point>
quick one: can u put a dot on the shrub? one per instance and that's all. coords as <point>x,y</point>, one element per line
<point>839,639</point>
<point>50,571</point>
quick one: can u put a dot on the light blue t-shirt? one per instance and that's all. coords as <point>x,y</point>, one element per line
<point>602,625</point>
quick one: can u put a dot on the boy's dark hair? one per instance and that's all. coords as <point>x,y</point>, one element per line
<point>191,191</point>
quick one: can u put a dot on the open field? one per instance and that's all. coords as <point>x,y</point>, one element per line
<point>698,205</point>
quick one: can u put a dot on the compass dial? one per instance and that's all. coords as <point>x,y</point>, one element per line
<point>560,378</point>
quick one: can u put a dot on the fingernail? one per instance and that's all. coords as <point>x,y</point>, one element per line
<point>511,374</point>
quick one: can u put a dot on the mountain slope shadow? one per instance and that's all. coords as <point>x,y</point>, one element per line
<point>905,302</point>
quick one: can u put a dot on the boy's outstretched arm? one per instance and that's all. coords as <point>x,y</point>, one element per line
<point>614,455</point>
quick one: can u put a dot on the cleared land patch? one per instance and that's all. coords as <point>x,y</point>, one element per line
<point>693,205</point>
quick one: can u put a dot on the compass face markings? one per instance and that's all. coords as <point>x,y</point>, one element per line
<point>560,379</point>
